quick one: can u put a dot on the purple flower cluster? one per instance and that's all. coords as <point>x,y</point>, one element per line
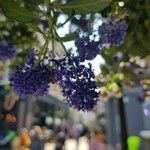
<point>82,23</point>
<point>7,50</point>
<point>44,24</point>
<point>86,48</point>
<point>30,79</point>
<point>110,33</point>
<point>31,57</point>
<point>77,83</point>
<point>113,32</point>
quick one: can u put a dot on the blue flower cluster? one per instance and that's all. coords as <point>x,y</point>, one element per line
<point>86,48</point>
<point>110,33</point>
<point>77,83</point>
<point>113,32</point>
<point>82,23</point>
<point>44,24</point>
<point>31,57</point>
<point>32,78</point>
<point>7,50</point>
<point>29,79</point>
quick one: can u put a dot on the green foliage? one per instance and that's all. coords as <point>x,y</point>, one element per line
<point>33,5</point>
<point>128,73</point>
<point>68,37</point>
<point>19,34</point>
<point>104,69</point>
<point>137,41</point>
<point>34,27</point>
<point>14,10</point>
<point>85,6</point>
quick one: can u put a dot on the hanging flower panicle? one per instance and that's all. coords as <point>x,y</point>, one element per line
<point>32,78</point>
<point>7,50</point>
<point>82,23</point>
<point>44,24</point>
<point>112,32</point>
<point>29,79</point>
<point>86,48</point>
<point>77,83</point>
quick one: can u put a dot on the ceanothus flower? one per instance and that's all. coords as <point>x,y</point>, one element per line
<point>31,57</point>
<point>82,23</point>
<point>44,23</point>
<point>112,32</point>
<point>31,79</point>
<point>77,83</point>
<point>7,50</point>
<point>87,49</point>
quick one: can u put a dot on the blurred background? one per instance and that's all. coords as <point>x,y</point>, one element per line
<point>121,119</point>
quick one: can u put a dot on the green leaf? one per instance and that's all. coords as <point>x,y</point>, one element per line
<point>13,10</point>
<point>128,73</point>
<point>104,69</point>
<point>33,2</point>
<point>85,6</point>
<point>68,37</point>
<point>34,27</point>
<point>32,5</point>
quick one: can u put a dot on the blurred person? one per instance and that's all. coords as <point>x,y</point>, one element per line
<point>36,139</point>
<point>78,130</point>
<point>83,143</point>
<point>62,131</point>
<point>25,139</point>
<point>64,127</point>
<point>97,142</point>
<point>60,141</point>
<point>46,133</point>
<point>22,141</point>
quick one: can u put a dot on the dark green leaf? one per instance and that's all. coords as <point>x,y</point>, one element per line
<point>14,11</point>
<point>104,69</point>
<point>85,6</point>
<point>69,37</point>
<point>34,27</point>
<point>32,5</point>
<point>33,2</point>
